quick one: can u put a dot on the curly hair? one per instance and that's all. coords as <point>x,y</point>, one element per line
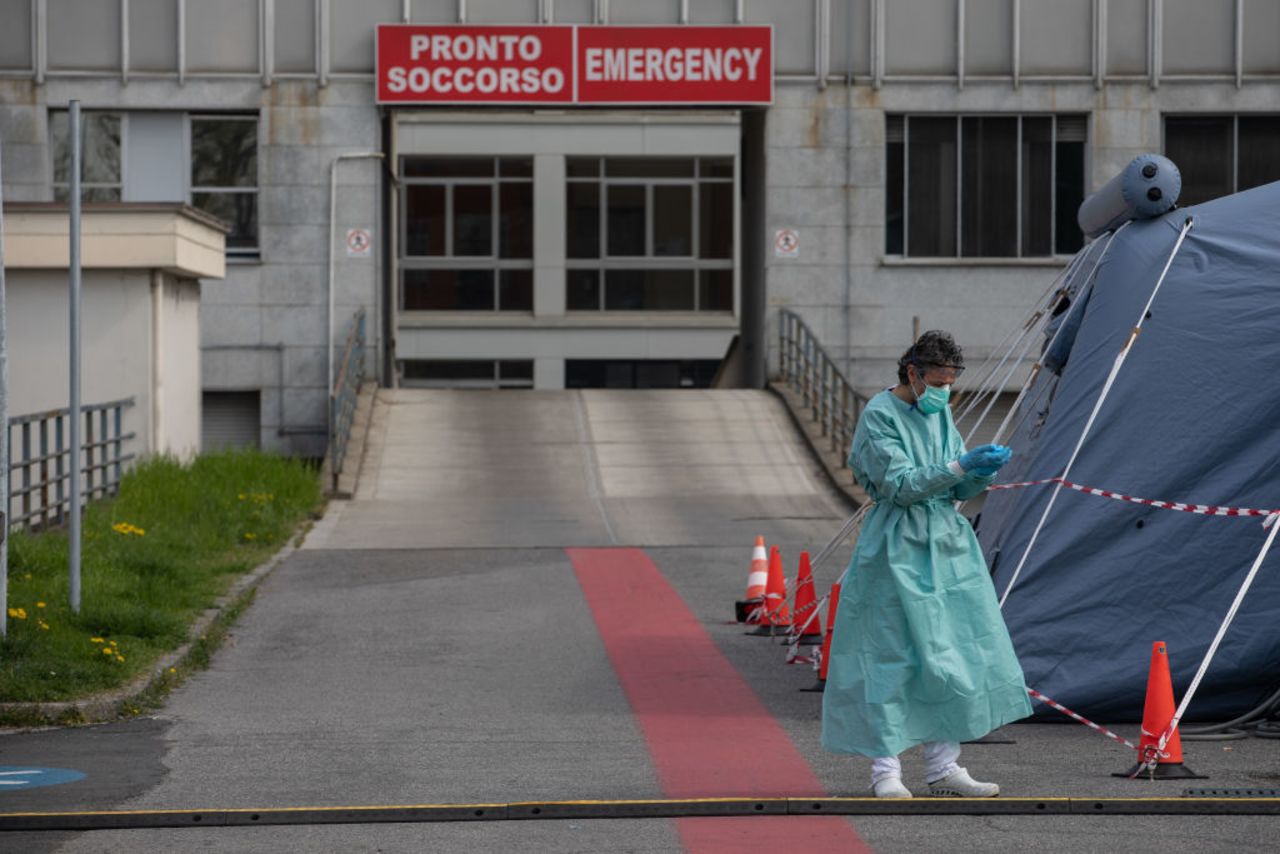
<point>933,348</point>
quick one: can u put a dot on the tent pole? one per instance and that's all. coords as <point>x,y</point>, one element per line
<point>1273,521</point>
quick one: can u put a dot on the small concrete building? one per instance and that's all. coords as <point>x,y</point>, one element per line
<point>142,268</point>
<point>596,201</point>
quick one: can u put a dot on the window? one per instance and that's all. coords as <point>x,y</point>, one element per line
<point>649,234</point>
<point>983,186</point>
<point>224,175</point>
<point>1220,155</point>
<point>640,373</point>
<point>230,419</point>
<point>466,373</point>
<point>101,168</point>
<point>119,161</point>
<point>467,243</point>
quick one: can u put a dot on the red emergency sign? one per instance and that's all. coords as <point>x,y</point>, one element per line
<point>574,65</point>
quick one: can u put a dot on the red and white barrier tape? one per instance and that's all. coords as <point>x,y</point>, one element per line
<point>794,656</point>
<point>1202,509</point>
<point>798,631</point>
<point>1149,758</point>
<point>1108,733</point>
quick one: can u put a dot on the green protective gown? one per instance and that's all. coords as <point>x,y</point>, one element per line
<point>920,651</point>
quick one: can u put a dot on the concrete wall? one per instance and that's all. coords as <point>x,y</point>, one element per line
<point>116,343</point>
<point>175,366</point>
<point>138,331</point>
<point>24,134</point>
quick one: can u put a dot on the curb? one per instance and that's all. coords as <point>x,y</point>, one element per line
<point>637,809</point>
<point>100,708</point>
<point>820,446</point>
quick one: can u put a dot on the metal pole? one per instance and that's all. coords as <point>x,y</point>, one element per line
<point>74,405</point>
<point>4,435</point>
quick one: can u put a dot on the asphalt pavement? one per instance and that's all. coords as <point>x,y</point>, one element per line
<point>434,642</point>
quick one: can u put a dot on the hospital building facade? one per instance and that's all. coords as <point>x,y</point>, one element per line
<point>550,194</point>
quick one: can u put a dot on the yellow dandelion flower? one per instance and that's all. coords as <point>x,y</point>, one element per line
<point>20,613</point>
<point>39,604</point>
<point>97,640</point>
<point>173,670</point>
<point>108,651</point>
<point>250,536</point>
<point>120,658</point>
<point>44,626</point>
<point>13,612</point>
<point>113,643</point>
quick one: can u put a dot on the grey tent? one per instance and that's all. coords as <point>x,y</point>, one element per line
<point>1194,417</point>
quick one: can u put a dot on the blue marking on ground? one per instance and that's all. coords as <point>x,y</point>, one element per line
<point>19,777</point>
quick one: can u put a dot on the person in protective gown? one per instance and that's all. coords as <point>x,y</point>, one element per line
<point>920,653</point>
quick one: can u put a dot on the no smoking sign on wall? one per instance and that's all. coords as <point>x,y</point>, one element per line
<point>786,243</point>
<point>359,243</point>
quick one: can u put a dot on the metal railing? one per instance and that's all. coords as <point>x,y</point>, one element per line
<point>346,390</point>
<point>40,461</point>
<point>822,388</point>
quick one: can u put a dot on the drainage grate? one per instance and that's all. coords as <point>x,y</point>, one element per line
<point>1231,793</point>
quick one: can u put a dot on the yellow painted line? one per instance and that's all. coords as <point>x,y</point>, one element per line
<point>868,799</point>
<point>1264,800</point>
<point>242,810</point>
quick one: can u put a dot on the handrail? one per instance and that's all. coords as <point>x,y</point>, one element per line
<point>346,389</point>
<point>40,460</point>
<point>822,387</point>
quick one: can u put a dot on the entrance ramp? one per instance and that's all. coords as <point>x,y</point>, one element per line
<point>492,469</point>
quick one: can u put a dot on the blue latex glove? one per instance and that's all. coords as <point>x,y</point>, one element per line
<point>985,460</point>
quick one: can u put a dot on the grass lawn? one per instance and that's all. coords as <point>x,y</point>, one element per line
<point>153,558</point>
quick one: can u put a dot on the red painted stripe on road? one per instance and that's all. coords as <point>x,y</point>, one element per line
<point>707,731</point>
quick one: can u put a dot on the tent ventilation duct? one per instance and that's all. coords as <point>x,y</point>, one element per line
<point>1147,187</point>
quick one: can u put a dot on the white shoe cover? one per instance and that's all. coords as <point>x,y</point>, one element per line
<point>891,787</point>
<point>959,784</point>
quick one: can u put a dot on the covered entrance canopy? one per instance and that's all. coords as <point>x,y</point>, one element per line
<point>529,240</point>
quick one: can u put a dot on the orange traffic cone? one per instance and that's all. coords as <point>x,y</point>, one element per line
<point>824,658</point>
<point>805,605</point>
<point>751,610</point>
<point>777,616</point>
<point>1157,713</point>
